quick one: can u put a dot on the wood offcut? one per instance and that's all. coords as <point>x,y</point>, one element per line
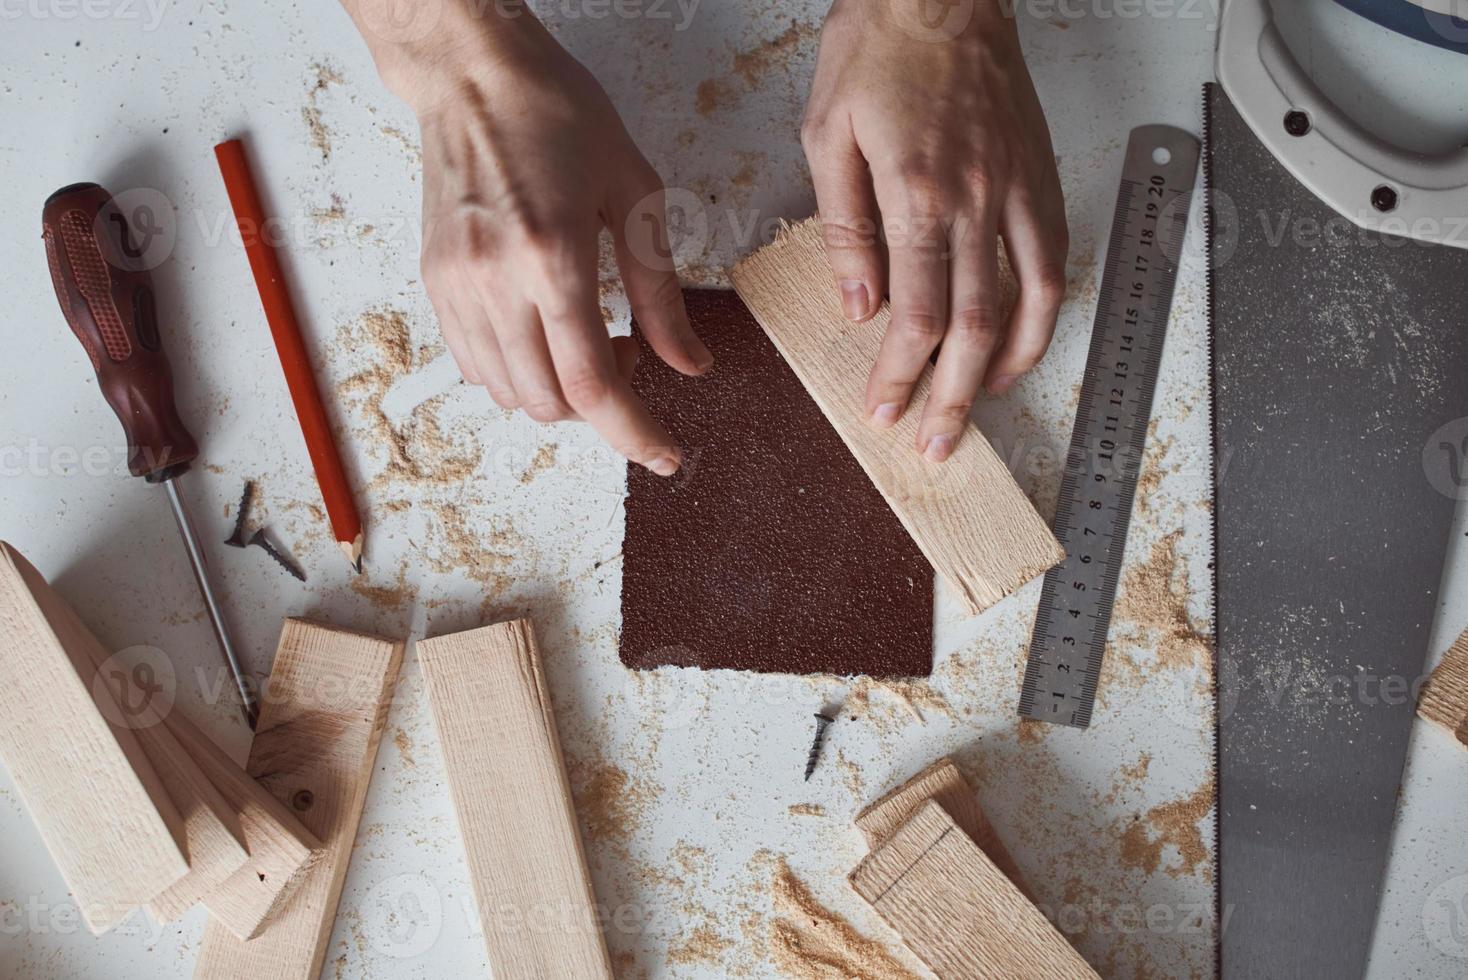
<point>314,750</point>
<point>502,758</point>
<point>956,910</point>
<point>1445,696</point>
<point>101,807</point>
<point>945,785</point>
<point>967,515</point>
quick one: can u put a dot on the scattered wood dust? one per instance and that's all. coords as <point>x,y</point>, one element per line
<point>895,702</point>
<point>712,96</point>
<point>324,77</point>
<point>484,554</point>
<point>1174,823</point>
<point>701,945</point>
<point>544,459</point>
<point>807,810</point>
<point>1153,598</point>
<point>611,804</point>
<point>807,941</point>
<point>404,745</point>
<point>773,55</point>
<point>851,775</point>
<point>419,451</point>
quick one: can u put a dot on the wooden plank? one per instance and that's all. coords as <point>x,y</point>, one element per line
<point>969,517</point>
<point>101,807</point>
<point>315,746</point>
<point>945,785</point>
<point>214,837</point>
<point>1444,700</point>
<point>279,849</point>
<point>503,761</point>
<point>956,910</point>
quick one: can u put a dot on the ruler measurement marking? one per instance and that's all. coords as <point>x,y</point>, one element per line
<point>1109,438</point>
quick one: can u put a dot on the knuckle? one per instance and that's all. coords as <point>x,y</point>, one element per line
<point>1048,283</point>
<point>975,325</point>
<point>586,388</point>
<point>503,397</point>
<point>849,233</point>
<point>815,136</point>
<point>953,412</point>
<point>920,326</point>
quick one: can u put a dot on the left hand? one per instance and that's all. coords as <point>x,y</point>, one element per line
<point>936,137</point>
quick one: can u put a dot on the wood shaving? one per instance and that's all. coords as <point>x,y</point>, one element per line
<point>807,810</point>
<point>544,459</point>
<point>807,941</point>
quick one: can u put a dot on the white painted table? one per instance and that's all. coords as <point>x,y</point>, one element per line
<point>135,98</point>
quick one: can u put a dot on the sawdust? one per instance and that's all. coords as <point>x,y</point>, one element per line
<point>484,554</point>
<point>1153,601</point>
<point>419,450</point>
<point>1175,824</point>
<point>324,76</point>
<point>544,459</point>
<point>394,596</point>
<point>851,775</point>
<point>410,145</point>
<point>712,96</point>
<point>806,810</point>
<point>888,705</point>
<point>773,55</point>
<point>611,804</point>
<point>701,945</point>
<point>404,744</point>
<point>807,941</point>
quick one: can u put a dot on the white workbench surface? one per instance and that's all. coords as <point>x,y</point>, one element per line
<point>134,95</point>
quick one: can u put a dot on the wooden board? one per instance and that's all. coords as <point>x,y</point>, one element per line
<point>102,809</point>
<point>503,761</point>
<point>279,849</point>
<point>956,910</point>
<point>315,746</point>
<point>1444,699</point>
<point>945,785</point>
<point>213,837</point>
<point>969,517</point>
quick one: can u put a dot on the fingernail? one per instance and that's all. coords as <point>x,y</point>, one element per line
<point>886,415</point>
<point>939,449</point>
<point>664,466</point>
<point>1003,383</point>
<point>854,298</point>
<point>703,358</point>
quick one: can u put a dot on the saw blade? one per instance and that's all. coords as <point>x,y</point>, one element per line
<point>1339,358</point>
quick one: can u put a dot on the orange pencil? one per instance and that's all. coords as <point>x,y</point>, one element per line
<point>346,524</point>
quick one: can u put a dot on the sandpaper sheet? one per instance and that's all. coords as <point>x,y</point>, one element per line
<point>771,551</point>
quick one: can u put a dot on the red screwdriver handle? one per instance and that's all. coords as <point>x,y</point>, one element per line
<point>106,295</point>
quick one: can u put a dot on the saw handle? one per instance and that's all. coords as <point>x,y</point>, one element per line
<point>106,294</point>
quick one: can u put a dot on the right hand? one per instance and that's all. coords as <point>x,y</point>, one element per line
<point>525,161</point>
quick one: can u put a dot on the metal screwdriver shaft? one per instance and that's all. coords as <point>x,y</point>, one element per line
<point>200,565</point>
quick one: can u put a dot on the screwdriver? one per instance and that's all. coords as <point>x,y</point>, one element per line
<point>106,294</point>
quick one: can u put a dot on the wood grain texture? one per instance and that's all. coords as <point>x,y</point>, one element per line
<point>101,808</point>
<point>213,834</point>
<point>957,911</point>
<point>315,746</point>
<point>279,850</point>
<point>1444,699</point>
<point>503,761</point>
<point>969,517</point>
<point>942,783</point>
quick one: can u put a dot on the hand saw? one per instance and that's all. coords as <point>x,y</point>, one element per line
<point>1340,412</point>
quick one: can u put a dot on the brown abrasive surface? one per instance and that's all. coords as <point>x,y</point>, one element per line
<point>771,551</point>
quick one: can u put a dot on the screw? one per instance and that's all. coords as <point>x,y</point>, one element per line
<point>1296,122</point>
<point>823,721</point>
<point>237,539</point>
<point>259,540</point>
<point>1384,199</point>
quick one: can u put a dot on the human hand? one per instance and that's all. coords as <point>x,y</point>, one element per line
<point>525,161</point>
<point>930,140</point>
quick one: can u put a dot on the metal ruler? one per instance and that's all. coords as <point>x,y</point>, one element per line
<point>1095,505</point>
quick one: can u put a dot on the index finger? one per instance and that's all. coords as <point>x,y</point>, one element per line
<point>586,365</point>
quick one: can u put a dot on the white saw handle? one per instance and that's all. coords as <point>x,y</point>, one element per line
<point>1373,183</point>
